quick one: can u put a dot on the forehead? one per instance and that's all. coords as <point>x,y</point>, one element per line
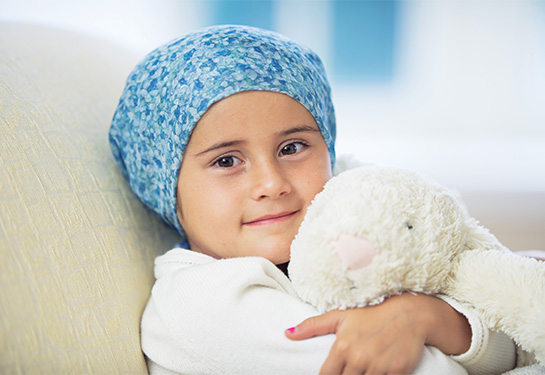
<point>263,111</point>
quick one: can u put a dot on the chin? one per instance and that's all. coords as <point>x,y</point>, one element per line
<point>275,256</point>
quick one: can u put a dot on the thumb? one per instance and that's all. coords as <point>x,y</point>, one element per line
<point>316,326</point>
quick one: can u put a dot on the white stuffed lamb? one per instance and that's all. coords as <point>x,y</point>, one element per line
<point>375,232</point>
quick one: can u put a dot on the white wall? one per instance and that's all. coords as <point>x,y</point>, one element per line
<point>468,103</point>
<point>138,24</point>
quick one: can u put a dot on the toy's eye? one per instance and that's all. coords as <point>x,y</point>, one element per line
<point>409,226</point>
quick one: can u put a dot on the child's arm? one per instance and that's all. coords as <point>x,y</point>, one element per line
<point>228,316</point>
<point>388,338</point>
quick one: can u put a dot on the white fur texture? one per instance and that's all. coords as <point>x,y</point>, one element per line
<point>427,242</point>
<point>508,292</point>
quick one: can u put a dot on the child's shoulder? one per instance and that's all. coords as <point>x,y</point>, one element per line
<point>181,259</point>
<point>178,258</point>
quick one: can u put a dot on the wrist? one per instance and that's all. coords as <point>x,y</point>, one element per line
<point>446,329</point>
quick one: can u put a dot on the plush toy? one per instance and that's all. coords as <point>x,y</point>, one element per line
<point>374,232</point>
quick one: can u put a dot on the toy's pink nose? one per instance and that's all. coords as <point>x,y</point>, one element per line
<point>354,252</point>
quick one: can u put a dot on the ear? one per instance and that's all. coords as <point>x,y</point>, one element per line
<point>479,237</point>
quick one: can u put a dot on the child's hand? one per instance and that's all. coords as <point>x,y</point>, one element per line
<point>388,338</point>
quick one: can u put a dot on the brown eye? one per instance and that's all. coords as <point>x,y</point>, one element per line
<point>292,148</point>
<point>226,162</point>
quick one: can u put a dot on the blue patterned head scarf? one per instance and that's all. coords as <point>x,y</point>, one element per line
<point>168,92</point>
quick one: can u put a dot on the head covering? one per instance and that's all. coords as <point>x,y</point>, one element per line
<point>172,87</point>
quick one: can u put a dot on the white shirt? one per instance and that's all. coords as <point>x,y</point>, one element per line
<point>208,316</point>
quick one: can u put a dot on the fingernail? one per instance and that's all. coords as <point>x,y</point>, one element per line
<point>291,330</point>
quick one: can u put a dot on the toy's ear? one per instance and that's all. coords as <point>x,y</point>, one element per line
<point>479,237</point>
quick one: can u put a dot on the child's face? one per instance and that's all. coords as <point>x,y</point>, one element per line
<point>252,166</point>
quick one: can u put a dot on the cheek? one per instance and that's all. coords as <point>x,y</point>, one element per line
<point>314,184</point>
<point>320,174</point>
<point>206,204</point>
<point>205,219</point>
<point>191,201</point>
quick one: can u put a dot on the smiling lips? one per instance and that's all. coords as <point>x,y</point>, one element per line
<point>272,219</point>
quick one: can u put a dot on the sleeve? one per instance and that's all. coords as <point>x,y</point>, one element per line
<point>228,317</point>
<point>214,318</point>
<point>490,352</point>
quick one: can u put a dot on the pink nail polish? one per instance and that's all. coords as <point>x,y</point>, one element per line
<point>291,330</point>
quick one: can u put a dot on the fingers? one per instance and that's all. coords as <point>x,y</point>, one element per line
<point>371,352</point>
<point>336,360</point>
<point>316,326</point>
<point>355,362</point>
<point>346,357</point>
<point>368,341</point>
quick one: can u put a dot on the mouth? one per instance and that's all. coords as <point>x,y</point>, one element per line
<point>271,219</point>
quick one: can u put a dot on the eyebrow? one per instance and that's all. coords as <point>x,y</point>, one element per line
<point>296,129</point>
<point>218,146</point>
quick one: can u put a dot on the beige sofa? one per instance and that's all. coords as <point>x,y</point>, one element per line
<point>76,246</point>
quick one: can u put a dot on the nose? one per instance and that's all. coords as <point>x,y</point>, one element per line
<point>355,252</point>
<point>269,180</point>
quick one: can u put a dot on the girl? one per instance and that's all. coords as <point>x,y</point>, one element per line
<point>228,134</point>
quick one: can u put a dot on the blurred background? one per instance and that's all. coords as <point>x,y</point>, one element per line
<point>452,88</point>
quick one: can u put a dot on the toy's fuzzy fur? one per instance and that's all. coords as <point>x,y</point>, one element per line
<point>428,243</point>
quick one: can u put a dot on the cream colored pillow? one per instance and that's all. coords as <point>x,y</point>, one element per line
<point>76,246</point>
